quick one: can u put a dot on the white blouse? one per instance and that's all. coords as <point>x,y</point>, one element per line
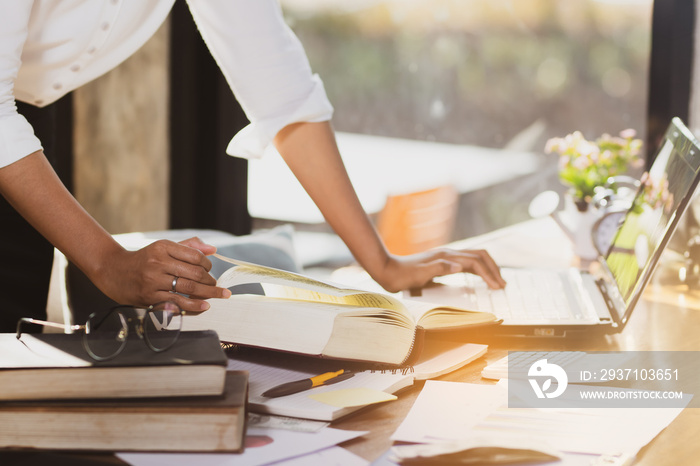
<point>51,47</point>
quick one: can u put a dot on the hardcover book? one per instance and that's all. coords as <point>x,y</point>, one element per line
<point>56,366</point>
<point>183,424</point>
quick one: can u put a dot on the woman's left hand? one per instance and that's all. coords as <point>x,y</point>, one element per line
<point>417,270</point>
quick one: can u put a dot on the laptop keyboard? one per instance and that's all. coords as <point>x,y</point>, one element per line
<point>529,295</point>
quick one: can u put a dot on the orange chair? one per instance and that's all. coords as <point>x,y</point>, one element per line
<point>418,221</point>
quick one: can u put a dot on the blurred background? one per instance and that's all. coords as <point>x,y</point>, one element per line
<point>470,90</point>
<point>479,72</point>
<point>427,94</point>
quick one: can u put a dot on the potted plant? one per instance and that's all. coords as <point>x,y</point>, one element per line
<point>590,167</point>
<point>586,166</point>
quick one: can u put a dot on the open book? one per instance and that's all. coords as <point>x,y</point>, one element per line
<point>301,315</point>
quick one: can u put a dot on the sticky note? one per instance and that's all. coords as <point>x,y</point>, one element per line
<point>348,397</point>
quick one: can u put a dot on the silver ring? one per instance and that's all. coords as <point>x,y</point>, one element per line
<point>174,284</point>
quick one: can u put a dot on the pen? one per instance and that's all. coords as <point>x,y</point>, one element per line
<point>297,386</point>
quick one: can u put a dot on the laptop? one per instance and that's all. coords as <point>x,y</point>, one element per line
<point>555,302</point>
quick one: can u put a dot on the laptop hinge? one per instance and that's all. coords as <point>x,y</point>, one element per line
<point>609,301</point>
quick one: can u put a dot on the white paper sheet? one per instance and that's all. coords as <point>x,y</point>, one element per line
<point>567,459</point>
<point>453,410</point>
<point>449,411</point>
<point>334,456</point>
<point>263,446</point>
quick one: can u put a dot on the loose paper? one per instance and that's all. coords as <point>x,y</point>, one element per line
<point>453,411</point>
<point>263,446</point>
<point>349,397</point>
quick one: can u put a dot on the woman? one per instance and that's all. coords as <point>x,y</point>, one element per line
<point>48,48</point>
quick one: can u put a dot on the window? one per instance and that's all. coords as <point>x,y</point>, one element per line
<point>489,79</point>
<point>479,71</point>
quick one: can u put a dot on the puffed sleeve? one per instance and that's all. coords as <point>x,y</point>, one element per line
<point>266,67</point>
<point>17,137</point>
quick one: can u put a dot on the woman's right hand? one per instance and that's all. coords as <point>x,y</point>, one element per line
<point>146,276</point>
<point>139,278</point>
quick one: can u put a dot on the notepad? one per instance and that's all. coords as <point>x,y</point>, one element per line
<point>268,369</point>
<point>352,397</point>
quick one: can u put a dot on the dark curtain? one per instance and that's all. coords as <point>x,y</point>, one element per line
<point>670,68</point>
<point>208,188</point>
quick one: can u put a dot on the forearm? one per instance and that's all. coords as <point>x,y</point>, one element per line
<point>33,188</point>
<point>142,277</point>
<point>311,152</point>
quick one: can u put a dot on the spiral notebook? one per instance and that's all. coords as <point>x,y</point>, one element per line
<point>371,385</point>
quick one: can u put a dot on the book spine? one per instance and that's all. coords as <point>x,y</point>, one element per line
<point>416,348</point>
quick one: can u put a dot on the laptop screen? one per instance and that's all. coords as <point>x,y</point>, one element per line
<point>659,203</point>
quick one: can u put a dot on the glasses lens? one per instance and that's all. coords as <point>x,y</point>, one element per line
<point>105,334</point>
<point>162,324</point>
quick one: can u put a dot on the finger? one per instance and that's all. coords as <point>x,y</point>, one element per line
<point>473,260</point>
<point>437,268</point>
<point>186,303</point>
<point>187,262</point>
<point>196,243</point>
<point>188,255</point>
<point>183,270</point>
<point>491,265</point>
<point>193,288</point>
<point>479,268</point>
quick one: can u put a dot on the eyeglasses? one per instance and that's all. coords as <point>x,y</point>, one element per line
<point>106,333</point>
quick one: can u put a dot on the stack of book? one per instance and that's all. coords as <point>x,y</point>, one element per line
<point>54,396</point>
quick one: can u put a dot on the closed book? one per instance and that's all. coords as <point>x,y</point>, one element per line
<point>56,366</point>
<point>183,424</point>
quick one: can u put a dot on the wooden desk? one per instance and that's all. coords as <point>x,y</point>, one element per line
<point>668,319</point>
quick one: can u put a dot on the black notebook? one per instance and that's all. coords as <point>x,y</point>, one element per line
<point>56,366</point>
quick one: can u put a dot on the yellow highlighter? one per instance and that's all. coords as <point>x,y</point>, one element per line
<point>297,386</point>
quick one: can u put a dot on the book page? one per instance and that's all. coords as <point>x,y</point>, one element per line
<point>355,298</point>
<point>284,284</point>
<point>440,357</point>
<point>246,272</point>
<point>268,322</point>
<point>432,316</point>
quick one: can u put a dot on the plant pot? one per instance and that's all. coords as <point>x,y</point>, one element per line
<point>579,218</point>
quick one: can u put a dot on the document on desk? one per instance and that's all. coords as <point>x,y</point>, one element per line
<point>263,446</point>
<point>453,410</point>
<point>449,411</point>
<point>333,456</point>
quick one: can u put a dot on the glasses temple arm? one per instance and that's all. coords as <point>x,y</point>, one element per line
<point>29,320</point>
